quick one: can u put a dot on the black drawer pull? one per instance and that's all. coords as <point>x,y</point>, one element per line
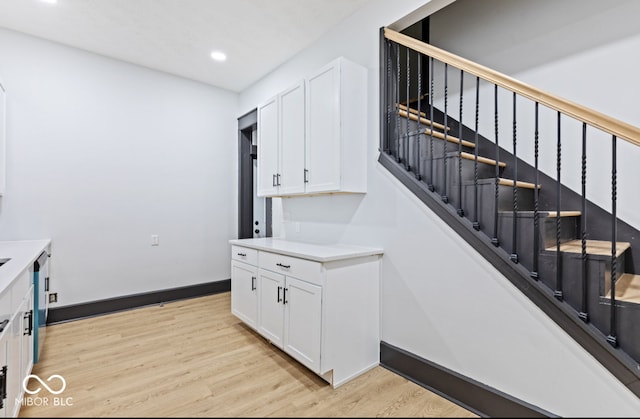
<point>283,266</point>
<point>242,254</point>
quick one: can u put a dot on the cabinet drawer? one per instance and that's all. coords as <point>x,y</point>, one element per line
<point>244,254</point>
<point>307,270</point>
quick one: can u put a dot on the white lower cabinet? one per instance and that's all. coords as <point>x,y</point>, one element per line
<point>244,295</point>
<point>16,345</point>
<point>290,316</point>
<point>324,314</point>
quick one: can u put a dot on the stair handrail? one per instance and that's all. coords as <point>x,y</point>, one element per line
<point>606,123</point>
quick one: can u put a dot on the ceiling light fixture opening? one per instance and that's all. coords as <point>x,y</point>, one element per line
<point>219,56</point>
<point>49,1</point>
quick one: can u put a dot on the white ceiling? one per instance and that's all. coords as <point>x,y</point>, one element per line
<point>177,36</point>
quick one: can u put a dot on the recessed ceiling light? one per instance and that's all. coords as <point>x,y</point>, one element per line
<point>219,56</point>
<point>49,1</point>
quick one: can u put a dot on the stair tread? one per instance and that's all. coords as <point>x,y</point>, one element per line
<point>424,121</point>
<point>627,288</point>
<point>547,214</point>
<point>553,214</point>
<point>594,247</point>
<point>521,184</point>
<point>450,138</point>
<point>486,160</point>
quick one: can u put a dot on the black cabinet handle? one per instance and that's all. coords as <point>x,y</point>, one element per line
<point>306,175</point>
<point>46,283</point>
<point>284,295</point>
<point>278,179</point>
<point>283,266</point>
<point>28,316</point>
<point>273,180</point>
<point>3,385</point>
<point>242,254</point>
<point>3,324</point>
<point>253,283</point>
<point>279,299</point>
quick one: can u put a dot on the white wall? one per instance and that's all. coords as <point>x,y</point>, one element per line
<point>439,299</point>
<point>101,154</point>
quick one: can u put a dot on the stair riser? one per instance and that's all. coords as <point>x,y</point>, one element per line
<point>467,171</point>
<point>569,230</point>
<point>598,285</point>
<point>598,274</point>
<point>486,200</point>
<point>525,234</point>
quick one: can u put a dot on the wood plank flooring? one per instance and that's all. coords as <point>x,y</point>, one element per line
<point>194,358</point>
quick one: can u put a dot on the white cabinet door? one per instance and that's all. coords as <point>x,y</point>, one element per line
<point>268,134</point>
<point>14,365</point>
<point>4,359</point>
<point>292,140</point>
<point>270,296</point>
<point>302,322</point>
<point>323,151</point>
<point>244,294</point>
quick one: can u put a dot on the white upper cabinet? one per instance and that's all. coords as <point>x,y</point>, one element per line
<point>281,122</point>
<point>292,124</point>
<point>315,133</point>
<point>268,139</point>
<point>3,138</point>
<point>336,149</point>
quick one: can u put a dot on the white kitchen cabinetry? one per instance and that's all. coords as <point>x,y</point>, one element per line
<point>268,147</point>
<point>317,303</point>
<point>244,277</point>
<point>16,342</point>
<point>281,130</point>
<point>17,311</point>
<point>3,138</point>
<point>312,137</point>
<point>290,311</point>
<point>336,145</point>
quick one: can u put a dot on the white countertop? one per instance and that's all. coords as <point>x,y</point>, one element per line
<point>316,252</point>
<point>22,253</point>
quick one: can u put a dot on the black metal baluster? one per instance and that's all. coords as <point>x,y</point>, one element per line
<point>558,292</point>
<point>514,251</point>
<point>476,222</point>
<point>460,210</point>
<point>445,199</point>
<point>398,158</point>
<point>416,150</point>
<point>613,338</point>
<point>407,157</point>
<point>431,184</point>
<point>494,239</point>
<point>584,316</point>
<point>536,215</point>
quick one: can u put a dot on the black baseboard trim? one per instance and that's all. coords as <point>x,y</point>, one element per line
<point>128,302</point>
<point>476,397</point>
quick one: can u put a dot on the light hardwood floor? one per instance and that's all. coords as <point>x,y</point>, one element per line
<point>194,358</point>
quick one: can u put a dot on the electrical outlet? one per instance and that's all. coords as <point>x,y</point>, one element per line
<point>53,297</point>
<point>155,240</point>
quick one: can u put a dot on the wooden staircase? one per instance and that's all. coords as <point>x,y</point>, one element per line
<point>475,185</point>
